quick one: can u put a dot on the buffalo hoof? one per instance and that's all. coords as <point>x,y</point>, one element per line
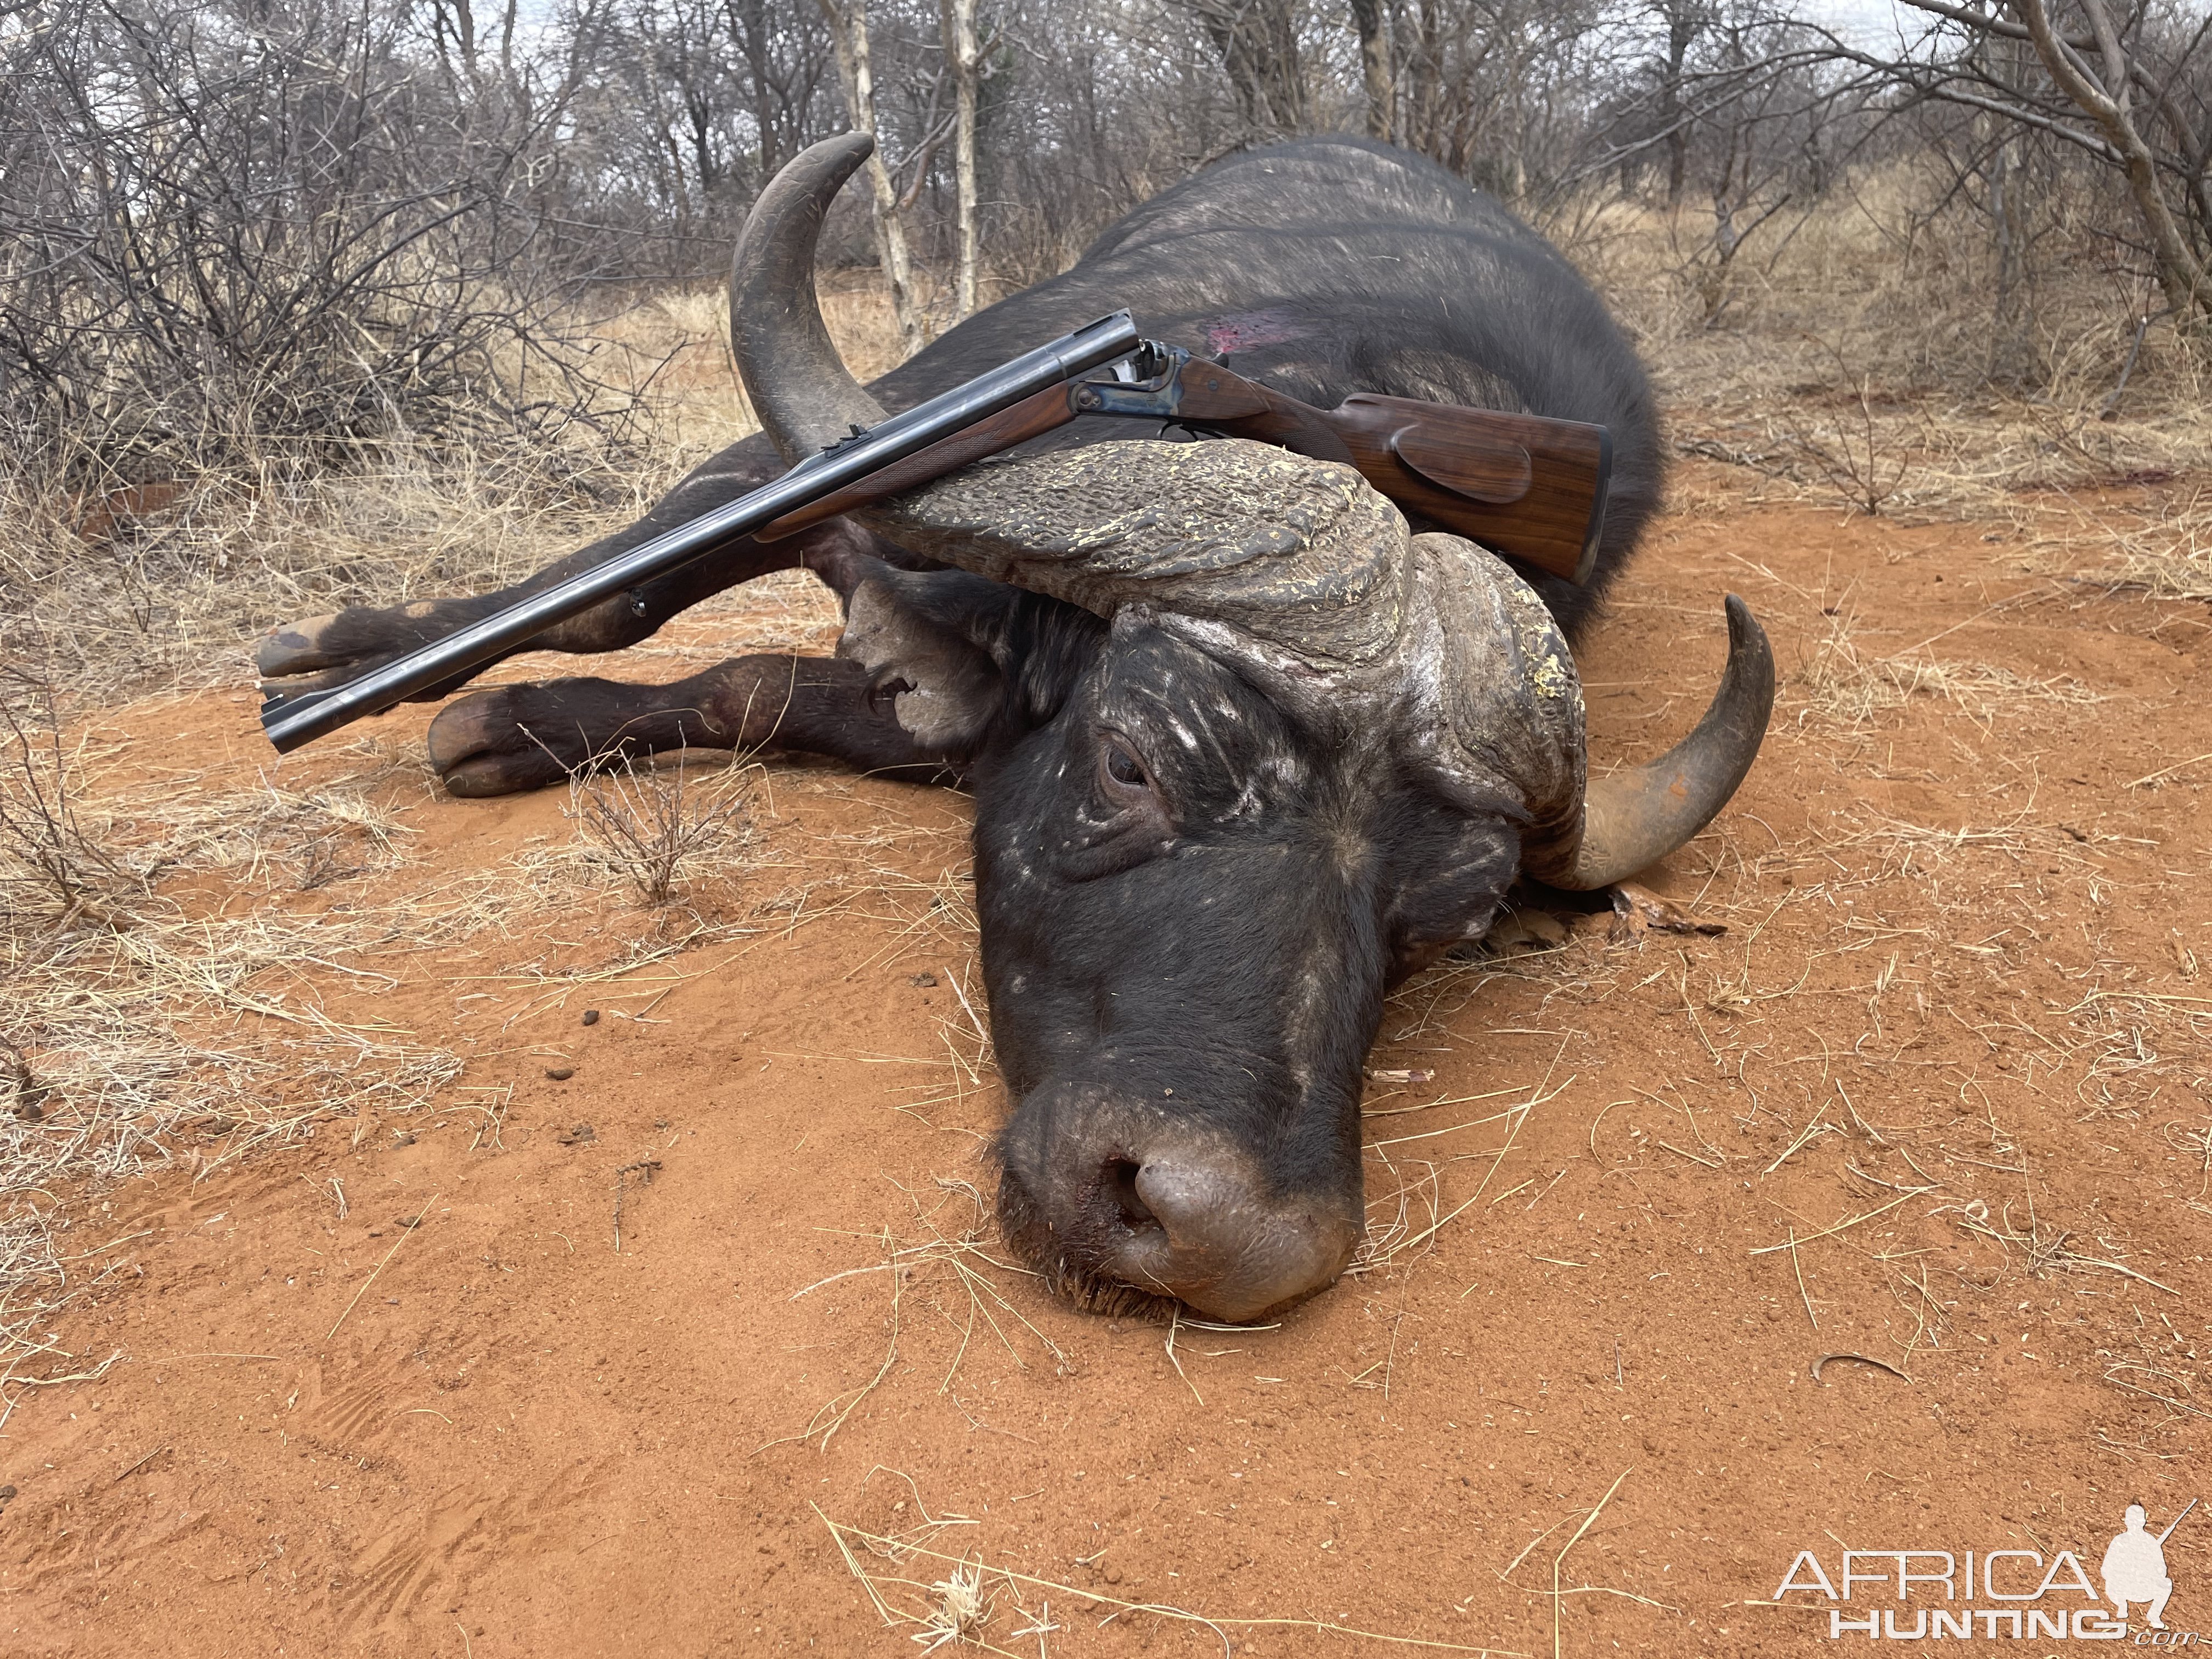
<point>322,651</point>
<point>508,739</point>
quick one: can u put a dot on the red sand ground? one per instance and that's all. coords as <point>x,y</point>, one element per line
<point>1958,937</point>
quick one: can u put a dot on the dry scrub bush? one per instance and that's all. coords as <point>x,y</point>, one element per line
<point>289,320</point>
<point>1863,354</point>
<point>1844,444</point>
<point>270,244</point>
<point>47,860</point>
<point>172,597</point>
<point>656,828</point>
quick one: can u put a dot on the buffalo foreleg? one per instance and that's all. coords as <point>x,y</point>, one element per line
<point>510,737</point>
<point>331,649</point>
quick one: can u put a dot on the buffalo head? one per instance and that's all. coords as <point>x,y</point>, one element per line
<point>1246,750</point>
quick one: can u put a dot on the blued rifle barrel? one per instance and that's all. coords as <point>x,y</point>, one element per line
<point>296,718</point>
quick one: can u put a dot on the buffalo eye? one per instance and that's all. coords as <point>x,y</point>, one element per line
<point>1125,778</point>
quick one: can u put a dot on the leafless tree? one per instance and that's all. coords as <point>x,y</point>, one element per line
<point>848,27</point>
<point>1377,78</point>
<point>272,236</point>
<point>961,52</point>
<point>1258,44</point>
<point>237,230</point>
<point>2131,92</point>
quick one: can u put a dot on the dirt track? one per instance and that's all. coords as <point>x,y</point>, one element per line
<point>1967,976</point>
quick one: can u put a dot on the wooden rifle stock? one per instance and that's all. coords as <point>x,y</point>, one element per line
<point>1528,488</point>
<point>1531,488</point>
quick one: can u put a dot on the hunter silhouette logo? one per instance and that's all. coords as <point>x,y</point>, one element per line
<point>1933,1594</point>
<point>2134,1568</point>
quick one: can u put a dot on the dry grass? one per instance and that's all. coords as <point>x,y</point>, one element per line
<point>1862,282</point>
<point>171,950</point>
<point>2135,1043</point>
<point>2044,1249</point>
<point>946,1258</point>
<point>1845,684</point>
<point>1404,1223</point>
<point>962,1604</point>
<point>142,1024</point>
<point>1856,362</point>
<point>167,589</point>
<point>2161,550</point>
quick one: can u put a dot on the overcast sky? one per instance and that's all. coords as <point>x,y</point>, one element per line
<point>1866,22</point>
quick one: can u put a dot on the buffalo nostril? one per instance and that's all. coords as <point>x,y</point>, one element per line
<point>1214,1237</point>
<point>1194,1205</point>
<point>1121,1178</point>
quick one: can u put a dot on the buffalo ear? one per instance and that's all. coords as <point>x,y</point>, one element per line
<point>914,633</point>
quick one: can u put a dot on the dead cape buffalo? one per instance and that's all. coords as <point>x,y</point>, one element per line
<point>1247,748</point>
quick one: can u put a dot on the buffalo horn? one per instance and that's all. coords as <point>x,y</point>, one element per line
<point>1635,817</point>
<point>798,385</point>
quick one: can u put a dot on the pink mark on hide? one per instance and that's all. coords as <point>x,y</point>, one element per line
<point>1247,329</point>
